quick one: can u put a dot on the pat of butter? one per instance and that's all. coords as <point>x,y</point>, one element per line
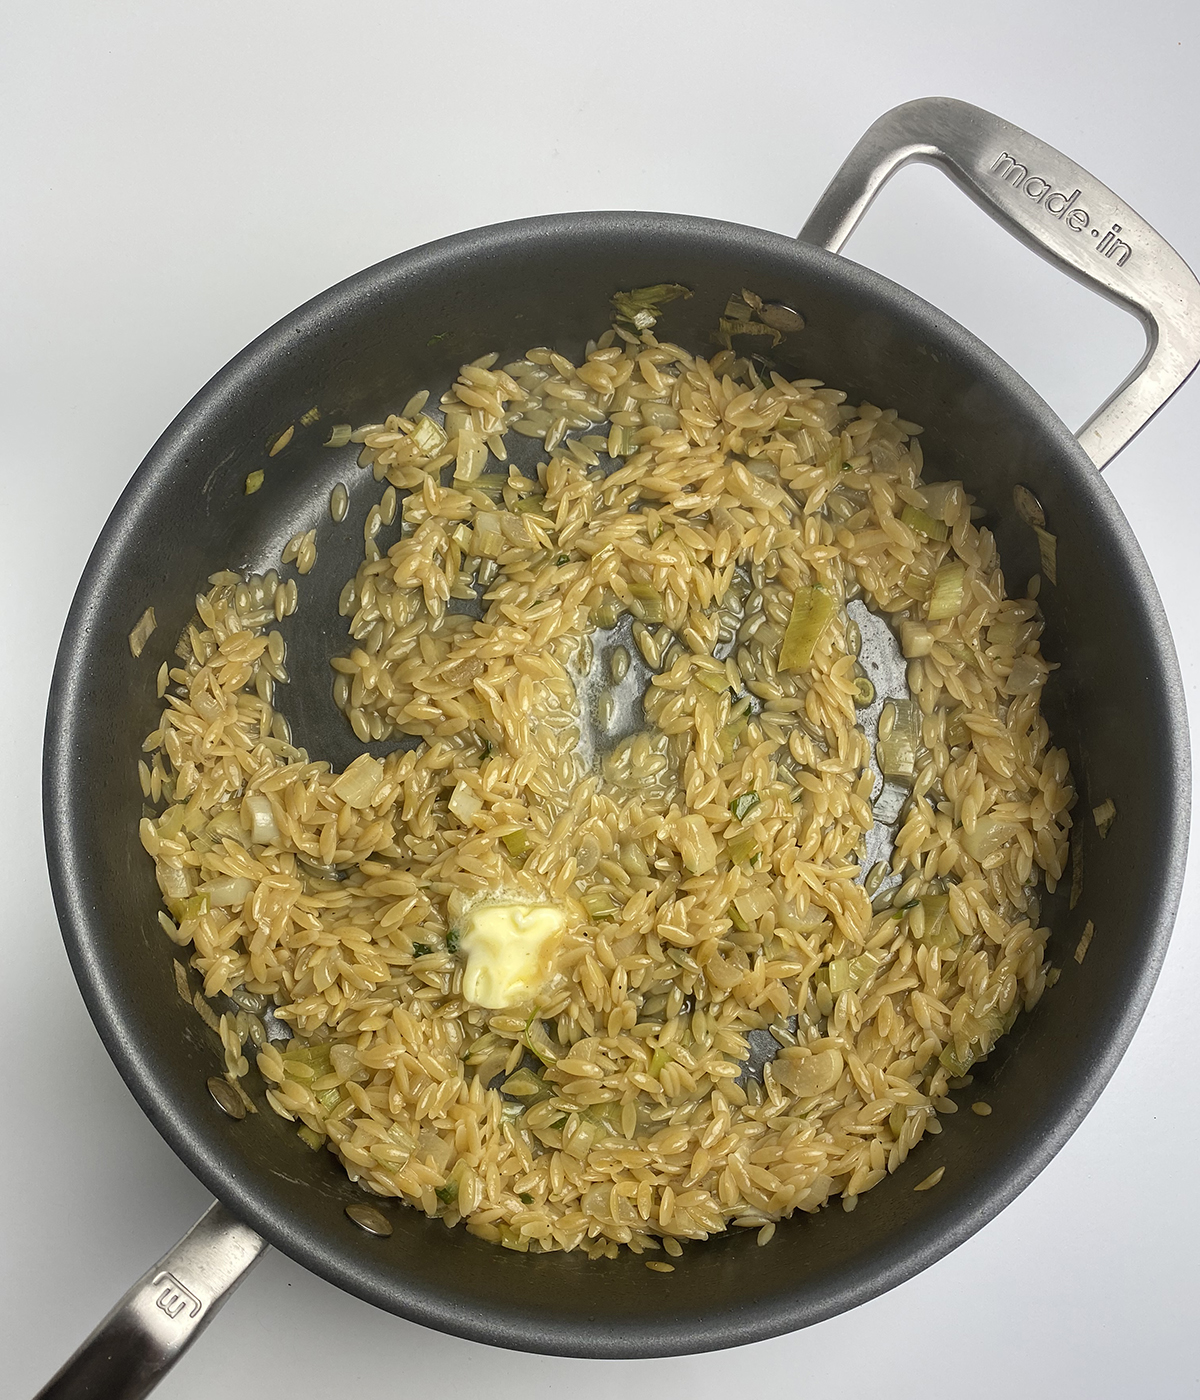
<point>508,948</point>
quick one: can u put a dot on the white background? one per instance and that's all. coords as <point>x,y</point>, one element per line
<point>175,177</point>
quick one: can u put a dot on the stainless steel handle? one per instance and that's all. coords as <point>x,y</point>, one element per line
<point>162,1314</point>
<point>1061,212</point>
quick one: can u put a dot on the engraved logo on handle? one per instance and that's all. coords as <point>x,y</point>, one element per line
<point>1060,205</point>
<point>174,1296</point>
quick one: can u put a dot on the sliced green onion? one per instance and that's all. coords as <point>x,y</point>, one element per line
<point>741,806</point>
<point>812,611</point>
<point>946,599</point>
<point>924,524</point>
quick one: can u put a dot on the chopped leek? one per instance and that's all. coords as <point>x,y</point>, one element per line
<point>924,524</point>
<point>448,1194</point>
<point>897,749</point>
<point>339,435</point>
<point>736,919</point>
<point>528,505</point>
<point>524,1084</point>
<point>253,481</point>
<point>1048,549</point>
<point>661,1058</point>
<point>645,602</point>
<point>314,1140</point>
<point>713,680</point>
<point>991,832</point>
<point>812,611</point>
<point>516,843</point>
<point>958,1063</point>
<point>839,976</point>
<point>946,599</point>
<point>428,435</point>
<point>864,692</point>
<point>194,907</point>
<point>1104,815</point>
<point>742,848</point>
<point>537,1040</point>
<point>599,903</point>
<point>743,805</point>
<point>642,306</point>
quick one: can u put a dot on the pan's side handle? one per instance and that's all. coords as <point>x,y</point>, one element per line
<point>162,1314</point>
<point>1061,212</point>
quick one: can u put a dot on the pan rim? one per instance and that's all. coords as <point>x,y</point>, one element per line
<point>512,1329</point>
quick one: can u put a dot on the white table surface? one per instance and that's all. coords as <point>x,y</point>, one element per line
<point>175,177</point>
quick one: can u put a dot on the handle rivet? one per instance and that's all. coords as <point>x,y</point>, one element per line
<point>373,1221</point>
<point>226,1097</point>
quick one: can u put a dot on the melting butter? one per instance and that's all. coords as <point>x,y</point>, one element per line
<point>509,948</point>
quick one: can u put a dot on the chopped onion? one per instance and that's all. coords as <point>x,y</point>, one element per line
<point>472,454</point>
<point>1104,815</point>
<point>1027,675</point>
<point>339,435</point>
<point>173,882</point>
<point>1048,549</point>
<point>696,843</point>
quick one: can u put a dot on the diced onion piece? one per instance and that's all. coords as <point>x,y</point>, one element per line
<point>141,633</point>
<point>227,891</point>
<point>357,784</point>
<point>991,832</point>
<point>253,481</point>
<point>465,801</point>
<point>537,1041</point>
<point>1104,815</point>
<point>225,824</point>
<point>956,1061</point>
<point>696,843</point>
<point>1048,549</point>
<point>339,435</point>
<point>173,882</point>
<point>924,524</point>
<point>257,807</point>
<point>946,599</point>
<point>812,611</point>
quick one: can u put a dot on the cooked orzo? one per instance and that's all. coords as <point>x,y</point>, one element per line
<point>617,949</point>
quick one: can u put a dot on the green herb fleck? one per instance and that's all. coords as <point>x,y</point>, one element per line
<point>564,559</point>
<point>452,940</point>
<point>525,1198</point>
<point>433,339</point>
<point>421,950</point>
